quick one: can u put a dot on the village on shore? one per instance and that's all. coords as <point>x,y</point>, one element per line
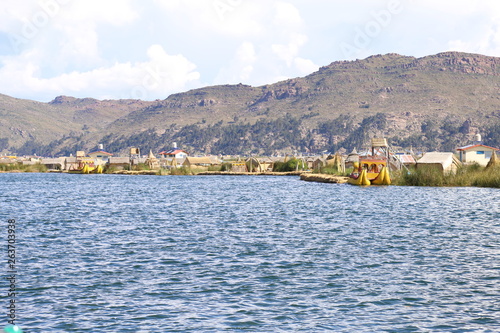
<point>176,159</point>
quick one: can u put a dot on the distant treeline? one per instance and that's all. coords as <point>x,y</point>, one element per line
<point>268,137</point>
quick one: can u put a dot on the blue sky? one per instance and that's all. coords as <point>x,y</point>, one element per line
<point>149,49</point>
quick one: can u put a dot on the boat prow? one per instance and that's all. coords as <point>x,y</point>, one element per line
<point>383,177</point>
<point>362,179</point>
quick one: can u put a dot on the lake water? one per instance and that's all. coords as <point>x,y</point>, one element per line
<point>113,253</point>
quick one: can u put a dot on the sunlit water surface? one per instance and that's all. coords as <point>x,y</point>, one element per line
<point>109,253</point>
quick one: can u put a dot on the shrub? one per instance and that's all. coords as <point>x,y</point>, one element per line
<point>110,169</point>
<point>182,171</point>
<point>215,168</point>
<point>226,167</point>
<point>289,166</point>
<point>329,170</point>
<point>140,167</point>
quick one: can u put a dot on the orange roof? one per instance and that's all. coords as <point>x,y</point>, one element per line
<point>100,152</point>
<point>474,146</point>
<point>173,152</point>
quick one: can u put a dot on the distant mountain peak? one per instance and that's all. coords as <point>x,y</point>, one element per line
<point>63,100</point>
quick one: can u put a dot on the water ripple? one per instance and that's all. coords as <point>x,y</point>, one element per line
<point>259,254</point>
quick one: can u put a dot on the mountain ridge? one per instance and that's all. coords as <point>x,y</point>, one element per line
<point>451,86</point>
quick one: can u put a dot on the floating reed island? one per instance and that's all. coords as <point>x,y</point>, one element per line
<point>267,173</point>
<point>323,178</point>
<point>475,165</point>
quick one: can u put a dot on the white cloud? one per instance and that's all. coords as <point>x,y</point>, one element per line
<point>242,66</point>
<point>169,4</point>
<point>158,77</point>
<point>246,53</point>
<point>97,47</point>
<point>287,15</point>
<point>485,33</point>
<point>488,43</point>
<point>288,52</point>
<point>305,66</point>
<point>115,12</point>
<point>223,17</point>
<point>80,43</point>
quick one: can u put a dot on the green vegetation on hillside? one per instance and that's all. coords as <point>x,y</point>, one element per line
<point>283,135</point>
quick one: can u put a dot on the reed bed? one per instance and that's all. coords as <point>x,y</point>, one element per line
<point>470,175</point>
<point>18,167</point>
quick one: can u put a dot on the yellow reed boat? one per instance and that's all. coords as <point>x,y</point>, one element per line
<point>370,171</point>
<point>86,166</point>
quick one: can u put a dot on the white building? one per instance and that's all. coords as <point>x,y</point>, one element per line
<point>100,157</point>
<point>476,153</point>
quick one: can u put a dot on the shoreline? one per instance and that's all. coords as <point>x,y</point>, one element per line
<point>323,178</point>
<point>268,173</point>
<point>304,176</point>
<point>157,173</point>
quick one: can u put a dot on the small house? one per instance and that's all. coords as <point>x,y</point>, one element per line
<point>336,161</point>
<point>253,165</point>
<point>215,160</point>
<point>119,163</point>
<point>30,162</point>
<point>477,153</point>
<point>239,166</point>
<point>445,162</point>
<point>100,157</point>
<point>266,163</point>
<point>53,163</point>
<point>352,159</point>
<point>179,154</point>
<point>200,162</point>
<point>318,163</point>
<point>152,161</point>
<point>406,159</point>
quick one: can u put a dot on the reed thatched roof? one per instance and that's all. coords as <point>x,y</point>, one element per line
<point>197,161</point>
<point>494,161</point>
<point>448,161</point>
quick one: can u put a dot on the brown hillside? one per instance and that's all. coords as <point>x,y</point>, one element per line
<point>449,85</point>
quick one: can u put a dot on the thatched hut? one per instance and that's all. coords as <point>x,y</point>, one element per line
<point>152,161</point>
<point>445,162</point>
<point>494,161</point>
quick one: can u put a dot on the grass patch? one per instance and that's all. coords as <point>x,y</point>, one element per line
<point>140,167</point>
<point>19,167</point>
<point>110,169</point>
<point>331,170</point>
<point>489,177</point>
<point>215,168</point>
<point>182,171</point>
<point>470,175</point>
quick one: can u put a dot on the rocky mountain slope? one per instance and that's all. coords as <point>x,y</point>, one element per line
<point>434,102</point>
